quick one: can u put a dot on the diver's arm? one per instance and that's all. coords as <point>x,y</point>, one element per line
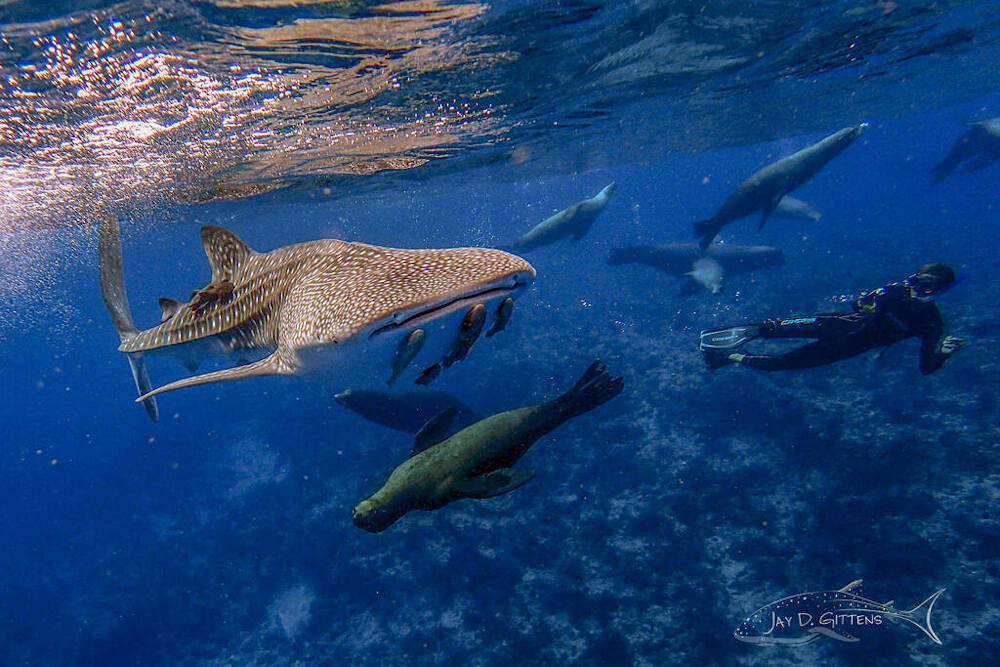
<point>881,299</point>
<point>935,347</point>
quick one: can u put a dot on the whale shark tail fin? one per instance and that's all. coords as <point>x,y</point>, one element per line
<point>595,387</point>
<point>705,230</point>
<point>109,247</point>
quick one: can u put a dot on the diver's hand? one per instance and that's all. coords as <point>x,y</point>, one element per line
<point>951,344</point>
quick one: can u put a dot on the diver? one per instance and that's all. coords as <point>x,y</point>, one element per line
<point>880,318</point>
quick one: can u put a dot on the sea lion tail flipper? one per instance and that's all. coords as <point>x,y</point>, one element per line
<point>768,210</point>
<point>109,261</point>
<point>595,386</point>
<point>493,483</point>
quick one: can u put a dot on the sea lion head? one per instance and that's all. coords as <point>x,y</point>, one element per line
<point>372,517</point>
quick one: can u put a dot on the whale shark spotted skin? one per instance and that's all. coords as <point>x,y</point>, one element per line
<point>319,309</point>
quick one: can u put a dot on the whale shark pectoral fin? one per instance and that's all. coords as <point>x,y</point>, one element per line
<point>434,430</point>
<point>494,483</point>
<point>833,634</point>
<point>143,384</point>
<point>272,365</point>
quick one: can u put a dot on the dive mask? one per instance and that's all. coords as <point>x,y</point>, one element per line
<point>928,290</point>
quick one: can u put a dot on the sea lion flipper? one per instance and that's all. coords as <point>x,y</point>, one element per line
<point>768,210</point>
<point>434,430</point>
<point>494,483</point>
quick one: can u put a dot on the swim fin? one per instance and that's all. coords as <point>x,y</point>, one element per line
<point>727,339</point>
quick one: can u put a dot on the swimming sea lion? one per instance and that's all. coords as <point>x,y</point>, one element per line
<point>678,258</point>
<point>765,188</point>
<point>476,462</point>
<point>574,221</point>
<point>405,411</point>
<point>980,145</point>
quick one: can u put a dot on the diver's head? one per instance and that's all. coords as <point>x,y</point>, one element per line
<point>930,281</point>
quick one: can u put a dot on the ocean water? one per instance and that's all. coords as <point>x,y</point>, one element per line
<point>655,524</point>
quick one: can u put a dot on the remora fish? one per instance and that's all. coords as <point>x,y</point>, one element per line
<point>322,309</point>
<point>476,462</point>
<point>800,619</point>
<point>980,146</point>
<point>574,221</point>
<point>765,188</point>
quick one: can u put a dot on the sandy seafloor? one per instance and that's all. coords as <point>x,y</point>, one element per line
<point>222,535</point>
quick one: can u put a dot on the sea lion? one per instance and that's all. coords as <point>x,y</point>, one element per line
<point>765,188</point>
<point>405,411</point>
<point>574,221</point>
<point>980,145</point>
<point>476,462</point>
<point>677,259</point>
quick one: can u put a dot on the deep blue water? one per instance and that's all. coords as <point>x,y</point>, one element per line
<point>222,535</point>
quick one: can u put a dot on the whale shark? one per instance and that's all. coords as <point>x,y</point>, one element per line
<point>328,310</point>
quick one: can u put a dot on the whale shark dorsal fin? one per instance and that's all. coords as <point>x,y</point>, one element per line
<point>853,587</point>
<point>493,483</point>
<point>432,432</point>
<point>169,307</point>
<point>225,251</point>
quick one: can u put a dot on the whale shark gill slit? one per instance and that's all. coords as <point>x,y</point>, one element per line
<point>425,315</point>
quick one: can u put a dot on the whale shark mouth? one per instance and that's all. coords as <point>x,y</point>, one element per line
<point>402,319</point>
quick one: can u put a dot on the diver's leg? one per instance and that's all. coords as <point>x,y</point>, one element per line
<point>819,353</point>
<point>820,327</point>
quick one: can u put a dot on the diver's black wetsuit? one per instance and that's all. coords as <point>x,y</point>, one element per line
<point>881,317</point>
